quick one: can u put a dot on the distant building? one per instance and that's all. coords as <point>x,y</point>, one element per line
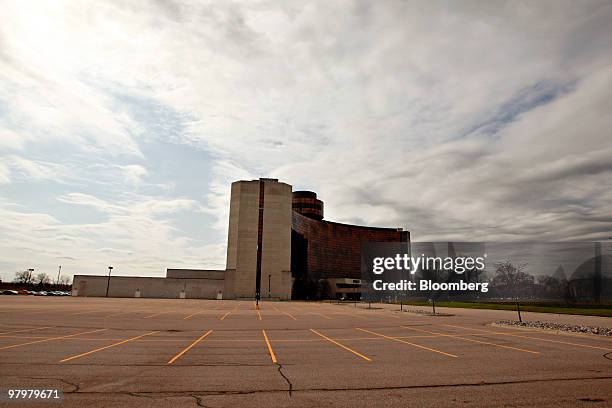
<point>592,279</point>
<point>279,246</point>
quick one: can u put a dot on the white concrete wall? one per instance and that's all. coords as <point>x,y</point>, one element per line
<point>195,273</point>
<point>242,240</point>
<point>164,288</point>
<point>276,255</point>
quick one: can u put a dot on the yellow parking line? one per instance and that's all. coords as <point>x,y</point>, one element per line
<point>50,339</point>
<point>41,311</point>
<point>193,314</point>
<point>533,330</point>
<point>186,349</point>
<point>272,355</point>
<point>322,315</point>
<point>353,315</point>
<point>341,345</point>
<point>156,314</point>
<point>25,330</point>
<point>82,313</point>
<point>228,313</point>
<point>258,314</point>
<point>120,313</point>
<point>290,315</point>
<point>533,338</point>
<point>106,347</point>
<point>472,340</point>
<point>407,342</point>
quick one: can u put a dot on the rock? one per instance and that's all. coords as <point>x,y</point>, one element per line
<point>600,331</point>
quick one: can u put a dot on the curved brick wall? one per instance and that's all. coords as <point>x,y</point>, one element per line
<point>323,249</point>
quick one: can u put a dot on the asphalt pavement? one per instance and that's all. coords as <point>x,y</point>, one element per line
<point>159,353</point>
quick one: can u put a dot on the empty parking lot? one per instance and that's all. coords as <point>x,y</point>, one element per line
<point>117,352</point>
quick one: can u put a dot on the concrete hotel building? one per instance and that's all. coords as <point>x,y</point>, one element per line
<point>278,245</point>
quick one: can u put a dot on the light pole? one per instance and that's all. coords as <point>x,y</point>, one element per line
<point>269,293</point>
<point>30,272</point>
<point>110,268</point>
<point>59,269</point>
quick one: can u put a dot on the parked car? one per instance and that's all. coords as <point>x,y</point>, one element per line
<point>10,292</point>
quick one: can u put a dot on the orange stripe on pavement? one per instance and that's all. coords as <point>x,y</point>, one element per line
<point>353,315</point>
<point>341,345</point>
<point>228,313</point>
<point>106,347</point>
<point>26,330</point>
<point>82,313</point>
<point>290,315</point>
<point>50,339</point>
<point>121,313</point>
<point>155,314</point>
<point>407,342</point>
<point>472,340</point>
<point>193,314</point>
<point>533,338</point>
<point>272,355</point>
<point>186,349</point>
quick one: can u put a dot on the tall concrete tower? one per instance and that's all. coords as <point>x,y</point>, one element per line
<point>259,240</point>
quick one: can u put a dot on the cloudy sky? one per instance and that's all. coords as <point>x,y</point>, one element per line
<point>123,123</point>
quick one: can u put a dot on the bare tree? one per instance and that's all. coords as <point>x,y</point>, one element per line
<point>65,280</point>
<point>511,276</point>
<point>513,279</point>
<point>23,277</point>
<point>42,279</point>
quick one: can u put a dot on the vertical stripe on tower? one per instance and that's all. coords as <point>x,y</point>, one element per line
<point>259,238</point>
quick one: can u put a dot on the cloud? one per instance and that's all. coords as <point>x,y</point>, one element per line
<point>465,121</point>
<point>89,200</point>
<point>46,96</point>
<point>31,170</point>
<point>4,174</point>
<point>138,206</point>
<point>10,139</point>
<point>136,235</point>
<point>133,173</point>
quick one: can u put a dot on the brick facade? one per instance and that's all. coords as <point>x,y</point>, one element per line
<point>323,249</point>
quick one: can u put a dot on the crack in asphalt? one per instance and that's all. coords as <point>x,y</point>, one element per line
<point>198,401</point>
<point>196,393</point>
<point>280,371</point>
<point>141,365</point>
<point>137,394</point>
<point>75,385</point>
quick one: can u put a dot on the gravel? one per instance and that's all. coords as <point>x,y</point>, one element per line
<point>600,331</point>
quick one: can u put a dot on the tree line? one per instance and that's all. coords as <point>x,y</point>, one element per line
<point>40,279</point>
